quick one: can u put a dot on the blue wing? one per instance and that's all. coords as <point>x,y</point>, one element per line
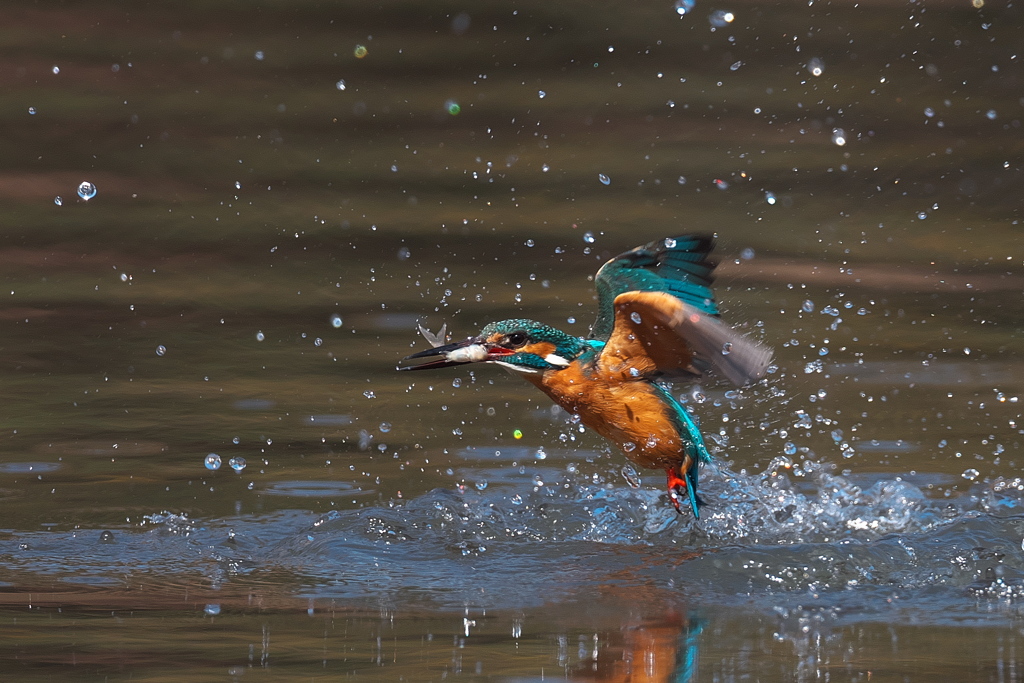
<point>676,265</point>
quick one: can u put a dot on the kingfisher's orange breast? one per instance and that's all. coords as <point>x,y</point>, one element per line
<point>631,414</point>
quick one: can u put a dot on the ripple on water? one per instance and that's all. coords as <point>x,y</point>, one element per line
<point>29,467</point>
<point>315,489</point>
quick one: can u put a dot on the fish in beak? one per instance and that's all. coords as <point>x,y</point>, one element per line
<point>471,350</point>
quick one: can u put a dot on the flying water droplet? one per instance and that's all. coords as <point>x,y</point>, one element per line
<point>789,448</point>
<point>541,94</point>
<point>212,609</point>
<point>588,237</point>
<point>541,454</point>
<point>260,336</point>
<point>385,427</point>
<point>970,474</point>
<point>336,321</point>
<point>340,85</point>
<point>747,254</point>
<point>86,190</point>
<point>605,180</point>
<point>161,350</point>
<point>456,382</point>
<point>726,348</point>
<point>838,137</point>
<point>991,115</point>
<point>631,476</point>
<point>212,461</point>
<point>816,66</point>
<point>481,485</point>
<point>56,70</point>
<point>237,463</point>
<point>58,201</point>
<point>685,6</point>
<point>808,306</point>
<point>629,447</point>
<point>635,317</point>
<point>770,198</point>
<point>670,243</point>
<point>452,107</point>
<point>721,18</point>
<point>32,111</point>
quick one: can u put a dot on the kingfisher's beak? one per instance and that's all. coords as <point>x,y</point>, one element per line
<point>459,353</point>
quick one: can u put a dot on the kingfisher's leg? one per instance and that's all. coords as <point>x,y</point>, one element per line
<point>678,481</point>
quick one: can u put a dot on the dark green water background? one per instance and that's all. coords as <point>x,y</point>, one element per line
<point>274,214</point>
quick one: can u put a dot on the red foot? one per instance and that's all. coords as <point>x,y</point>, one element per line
<point>676,487</point>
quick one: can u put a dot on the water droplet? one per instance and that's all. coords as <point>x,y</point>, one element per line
<point>58,201</point>
<point>629,447</point>
<point>481,485</point>
<point>161,350</point>
<point>991,114</point>
<point>747,254</point>
<point>452,107</point>
<point>635,317</point>
<point>336,321</point>
<point>107,536</point>
<point>517,434</point>
<point>770,197</point>
<point>541,94</point>
<point>670,243</point>
<point>838,137</point>
<point>685,6</point>
<point>588,237</point>
<point>816,66</point>
<point>970,474</point>
<point>545,168</point>
<point>340,85</point>
<point>516,499</point>
<point>56,70</point>
<point>721,184</point>
<point>212,609</point>
<point>237,463</point>
<point>921,215</point>
<point>236,441</point>
<point>605,180</point>
<point>260,336</point>
<point>929,112</point>
<point>369,394</point>
<point>789,448</point>
<point>807,306</point>
<point>86,190</point>
<point>456,382</point>
<point>631,476</point>
<point>735,66</point>
<point>384,427</point>
<point>258,55</point>
<point>721,18</point>
<point>540,454</point>
<point>726,348</point>
<point>32,111</point>
<point>212,461</point>
<point>681,180</point>
<point>318,342</point>
<point>360,51</point>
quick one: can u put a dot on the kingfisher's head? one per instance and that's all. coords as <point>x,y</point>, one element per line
<point>525,346</point>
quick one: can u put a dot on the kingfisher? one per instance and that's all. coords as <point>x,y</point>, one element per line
<point>657,322</point>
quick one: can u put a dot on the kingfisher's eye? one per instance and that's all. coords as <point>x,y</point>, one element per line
<point>516,339</point>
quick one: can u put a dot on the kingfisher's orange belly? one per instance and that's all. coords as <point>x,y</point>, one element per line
<point>632,415</point>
